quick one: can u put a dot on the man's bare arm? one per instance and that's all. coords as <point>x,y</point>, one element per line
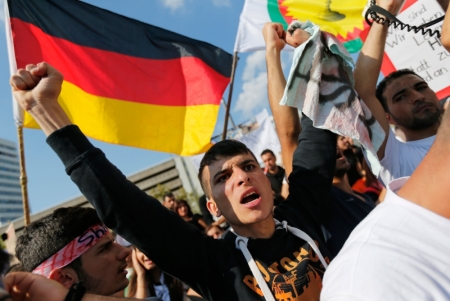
<point>24,286</point>
<point>368,67</point>
<point>286,118</point>
<point>445,34</point>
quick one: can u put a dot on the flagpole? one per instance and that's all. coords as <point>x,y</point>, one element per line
<point>230,93</point>
<point>18,117</point>
<point>231,118</point>
<point>23,177</point>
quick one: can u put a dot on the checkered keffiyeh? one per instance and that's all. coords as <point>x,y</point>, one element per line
<point>72,250</point>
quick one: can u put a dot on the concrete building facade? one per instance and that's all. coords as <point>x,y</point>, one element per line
<point>175,174</point>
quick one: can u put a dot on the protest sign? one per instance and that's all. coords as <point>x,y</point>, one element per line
<point>424,54</point>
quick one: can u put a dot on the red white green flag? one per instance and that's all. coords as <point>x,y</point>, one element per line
<point>342,18</point>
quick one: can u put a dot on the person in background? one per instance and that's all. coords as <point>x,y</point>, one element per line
<point>276,175</point>
<point>148,280</point>
<point>169,201</point>
<point>214,231</point>
<point>184,211</point>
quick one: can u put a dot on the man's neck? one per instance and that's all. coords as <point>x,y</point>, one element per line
<point>262,229</point>
<point>275,170</point>
<point>414,135</point>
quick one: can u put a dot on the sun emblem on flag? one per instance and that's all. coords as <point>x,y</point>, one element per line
<point>342,18</point>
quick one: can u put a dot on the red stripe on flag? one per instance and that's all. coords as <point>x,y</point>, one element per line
<point>175,82</point>
<point>443,93</point>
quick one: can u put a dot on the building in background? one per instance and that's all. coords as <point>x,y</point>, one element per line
<point>177,175</point>
<point>10,192</point>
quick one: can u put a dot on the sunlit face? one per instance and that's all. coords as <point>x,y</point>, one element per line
<point>147,263</point>
<point>105,265</point>
<point>344,143</point>
<point>169,203</point>
<point>411,102</point>
<point>269,161</point>
<point>298,37</point>
<point>240,190</point>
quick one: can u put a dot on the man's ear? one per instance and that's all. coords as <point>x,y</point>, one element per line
<point>390,119</point>
<point>66,276</point>
<point>212,207</point>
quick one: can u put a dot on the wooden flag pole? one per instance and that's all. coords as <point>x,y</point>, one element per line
<point>230,93</point>
<point>23,178</point>
<point>231,118</point>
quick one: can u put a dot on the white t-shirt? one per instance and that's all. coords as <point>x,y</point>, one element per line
<point>400,251</point>
<point>401,158</point>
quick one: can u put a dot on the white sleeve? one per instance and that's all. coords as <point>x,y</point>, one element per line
<point>390,167</point>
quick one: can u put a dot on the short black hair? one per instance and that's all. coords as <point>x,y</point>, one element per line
<point>224,148</point>
<point>382,85</point>
<point>45,237</point>
<point>168,194</point>
<point>267,151</point>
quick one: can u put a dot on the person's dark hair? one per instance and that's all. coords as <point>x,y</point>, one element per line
<point>382,85</point>
<point>168,194</point>
<point>222,149</point>
<point>43,238</point>
<point>267,151</point>
<point>184,202</point>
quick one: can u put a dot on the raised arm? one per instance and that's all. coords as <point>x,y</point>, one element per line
<point>123,207</point>
<point>445,34</point>
<point>368,67</point>
<point>425,185</point>
<point>286,118</point>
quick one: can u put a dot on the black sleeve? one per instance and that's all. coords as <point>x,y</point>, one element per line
<point>174,245</point>
<point>312,174</point>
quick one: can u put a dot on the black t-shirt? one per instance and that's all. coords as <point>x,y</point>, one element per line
<point>343,213</point>
<point>276,180</point>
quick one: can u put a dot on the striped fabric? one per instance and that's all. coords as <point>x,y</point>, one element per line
<point>125,82</point>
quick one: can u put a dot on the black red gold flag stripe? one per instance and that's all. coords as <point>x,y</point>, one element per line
<point>125,82</point>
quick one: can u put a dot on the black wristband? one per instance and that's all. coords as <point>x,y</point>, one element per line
<point>76,292</point>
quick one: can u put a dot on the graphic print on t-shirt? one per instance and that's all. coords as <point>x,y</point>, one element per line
<point>297,277</point>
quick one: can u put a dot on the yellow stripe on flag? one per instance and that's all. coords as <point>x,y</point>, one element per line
<point>184,130</point>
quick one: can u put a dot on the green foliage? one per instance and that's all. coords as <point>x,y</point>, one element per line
<point>191,198</point>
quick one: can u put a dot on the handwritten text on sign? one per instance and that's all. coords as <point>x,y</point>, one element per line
<point>421,53</point>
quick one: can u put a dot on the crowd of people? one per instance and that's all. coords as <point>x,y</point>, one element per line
<point>320,227</point>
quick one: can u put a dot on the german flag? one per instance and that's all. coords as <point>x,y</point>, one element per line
<point>125,82</point>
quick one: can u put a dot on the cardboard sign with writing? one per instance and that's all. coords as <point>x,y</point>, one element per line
<point>422,53</point>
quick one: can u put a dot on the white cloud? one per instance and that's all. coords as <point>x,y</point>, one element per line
<point>2,13</point>
<point>173,4</point>
<point>254,87</point>
<point>220,3</point>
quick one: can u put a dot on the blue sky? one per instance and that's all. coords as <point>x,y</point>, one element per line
<point>212,21</point>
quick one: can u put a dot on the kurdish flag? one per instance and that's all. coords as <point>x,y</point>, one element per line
<point>125,82</point>
<point>342,18</point>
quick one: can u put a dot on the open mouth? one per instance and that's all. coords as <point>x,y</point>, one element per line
<point>250,198</point>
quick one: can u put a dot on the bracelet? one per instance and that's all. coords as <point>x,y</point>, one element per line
<point>76,292</point>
